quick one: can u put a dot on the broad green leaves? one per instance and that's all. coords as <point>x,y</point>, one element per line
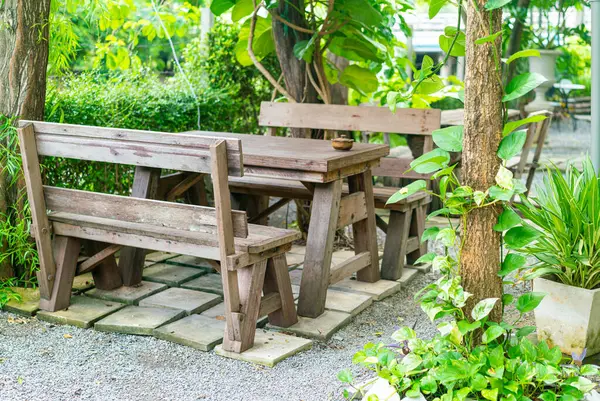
<point>495,4</point>
<point>504,178</point>
<point>431,161</point>
<point>408,190</point>
<point>359,78</point>
<point>435,6</point>
<point>492,333</point>
<point>453,42</point>
<point>513,125</point>
<point>522,54</point>
<point>512,144</point>
<point>242,9</point>
<point>489,38</point>
<point>483,308</point>
<point>262,45</point>
<point>511,262</point>
<point>507,219</point>
<point>518,237</point>
<point>529,301</point>
<point>523,84</point>
<point>449,139</point>
<point>354,49</point>
<point>218,7</point>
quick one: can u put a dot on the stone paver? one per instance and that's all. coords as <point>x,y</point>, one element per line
<point>380,289</point>
<point>83,282</point>
<point>408,275</point>
<point>196,331</point>
<point>320,328</point>
<point>348,302</point>
<point>139,320</point>
<point>192,261</point>
<point>207,283</point>
<point>269,348</point>
<point>190,301</point>
<point>82,312</point>
<point>128,295</point>
<point>29,303</point>
<point>171,275</point>
<point>294,259</point>
<point>159,256</point>
<point>423,268</point>
<point>296,276</point>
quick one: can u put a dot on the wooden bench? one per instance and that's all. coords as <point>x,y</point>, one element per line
<point>407,217</point>
<point>252,258</point>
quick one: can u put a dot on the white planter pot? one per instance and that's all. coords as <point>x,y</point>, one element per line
<point>544,65</point>
<point>568,317</point>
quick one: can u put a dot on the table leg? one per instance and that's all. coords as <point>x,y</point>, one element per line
<point>319,247</point>
<point>131,260</point>
<point>365,231</point>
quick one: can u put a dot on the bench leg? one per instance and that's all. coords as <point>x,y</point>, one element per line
<point>66,251</point>
<point>365,231</point>
<point>106,275</point>
<point>319,247</point>
<point>277,279</point>
<point>250,283</point>
<point>417,226</point>
<point>131,260</point>
<point>396,241</point>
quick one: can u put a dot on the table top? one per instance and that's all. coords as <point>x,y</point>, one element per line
<point>568,86</point>
<point>456,117</point>
<point>309,155</point>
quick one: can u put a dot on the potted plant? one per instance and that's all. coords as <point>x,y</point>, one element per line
<point>562,227</point>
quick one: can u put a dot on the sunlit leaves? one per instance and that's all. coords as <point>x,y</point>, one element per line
<point>511,262</point>
<point>518,237</point>
<point>483,308</point>
<point>435,6</point>
<point>522,54</point>
<point>512,144</point>
<point>408,190</point>
<point>449,138</point>
<point>359,78</point>
<point>495,4</point>
<point>491,333</point>
<point>431,161</point>
<point>504,178</point>
<point>513,125</point>
<point>453,42</point>
<point>218,7</point>
<point>523,84</point>
<point>507,219</point>
<point>489,38</point>
<point>529,301</point>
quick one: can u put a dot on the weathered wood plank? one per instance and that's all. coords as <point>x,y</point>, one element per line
<point>269,304</point>
<point>353,208</point>
<point>106,275</point>
<point>92,262</point>
<point>349,266</point>
<point>349,118</point>
<point>270,210</point>
<point>397,168</point>
<point>277,281</point>
<point>179,189</point>
<point>395,248</point>
<point>417,227</point>
<point>41,225</point>
<point>66,251</point>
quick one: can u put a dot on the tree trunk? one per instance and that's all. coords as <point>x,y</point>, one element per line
<point>24,35</point>
<point>293,69</point>
<point>514,43</point>
<point>480,260</point>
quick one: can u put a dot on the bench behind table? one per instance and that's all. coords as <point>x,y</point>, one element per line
<point>252,258</point>
<point>407,218</point>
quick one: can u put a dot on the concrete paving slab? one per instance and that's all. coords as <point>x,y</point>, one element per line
<point>296,276</point>
<point>297,249</point>
<point>207,283</point>
<point>269,348</point>
<point>196,331</point>
<point>320,328</point>
<point>408,275</point>
<point>83,312</point>
<point>348,302</point>
<point>423,268</point>
<point>128,295</point>
<point>29,303</point>
<point>138,320</point>
<point>192,261</point>
<point>157,257</point>
<point>217,312</point>
<point>294,259</point>
<point>171,275</point>
<point>83,282</point>
<point>190,301</point>
<point>379,290</point>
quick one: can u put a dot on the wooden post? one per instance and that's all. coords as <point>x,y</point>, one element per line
<point>277,279</point>
<point>66,251</point>
<point>106,275</point>
<point>394,251</point>
<point>131,260</point>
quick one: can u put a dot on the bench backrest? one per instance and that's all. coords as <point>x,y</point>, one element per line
<point>218,156</point>
<point>420,122</point>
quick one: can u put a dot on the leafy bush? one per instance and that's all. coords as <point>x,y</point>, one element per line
<point>472,357</point>
<point>575,64</point>
<point>565,226</point>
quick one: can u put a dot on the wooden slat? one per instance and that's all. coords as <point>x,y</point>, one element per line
<point>349,266</point>
<point>140,148</point>
<point>397,168</point>
<point>277,280</point>
<point>349,118</point>
<point>137,210</point>
<point>107,275</point>
<point>35,194</point>
<point>270,210</point>
<point>353,208</point>
<point>66,251</point>
<point>92,262</point>
<point>395,250</point>
<point>178,190</point>
<point>269,304</point>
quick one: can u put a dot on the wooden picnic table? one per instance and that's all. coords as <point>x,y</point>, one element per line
<point>457,117</point>
<point>321,169</point>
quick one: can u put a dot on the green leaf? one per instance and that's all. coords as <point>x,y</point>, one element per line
<point>466,327</point>
<point>479,197</point>
<point>518,237</point>
<point>361,11</point>
<point>218,7</point>
<point>430,233</point>
<point>512,144</point>
<point>491,334</point>
<point>411,362</point>
<point>513,125</point>
<point>354,49</point>
<point>494,4</point>
<point>446,236</point>
<point>511,262</point>
<point>483,308</point>
<point>498,193</point>
<point>507,219</point>
<point>529,301</point>
<point>446,40</point>
<point>304,50</point>
<point>504,178</point>
<point>449,138</point>
<point>427,258</point>
<point>345,376</point>
<point>496,355</point>
<point>547,396</point>
<point>589,370</point>
<point>523,84</point>
<point>430,85</point>
<point>489,38</point>
<point>242,8</point>
<point>491,395</point>
<point>522,54</point>
<point>408,190</point>
<point>507,299</point>
<point>404,333</point>
<point>435,6</point>
<point>431,161</point>
<point>525,331</point>
<point>360,79</point>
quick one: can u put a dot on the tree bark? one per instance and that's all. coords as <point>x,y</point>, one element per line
<point>293,69</point>
<point>24,35</point>
<point>480,258</point>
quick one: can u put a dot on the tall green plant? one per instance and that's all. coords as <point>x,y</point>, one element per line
<point>564,221</point>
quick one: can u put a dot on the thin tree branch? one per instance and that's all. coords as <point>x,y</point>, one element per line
<point>291,25</point>
<point>314,84</point>
<point>275,89</point>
